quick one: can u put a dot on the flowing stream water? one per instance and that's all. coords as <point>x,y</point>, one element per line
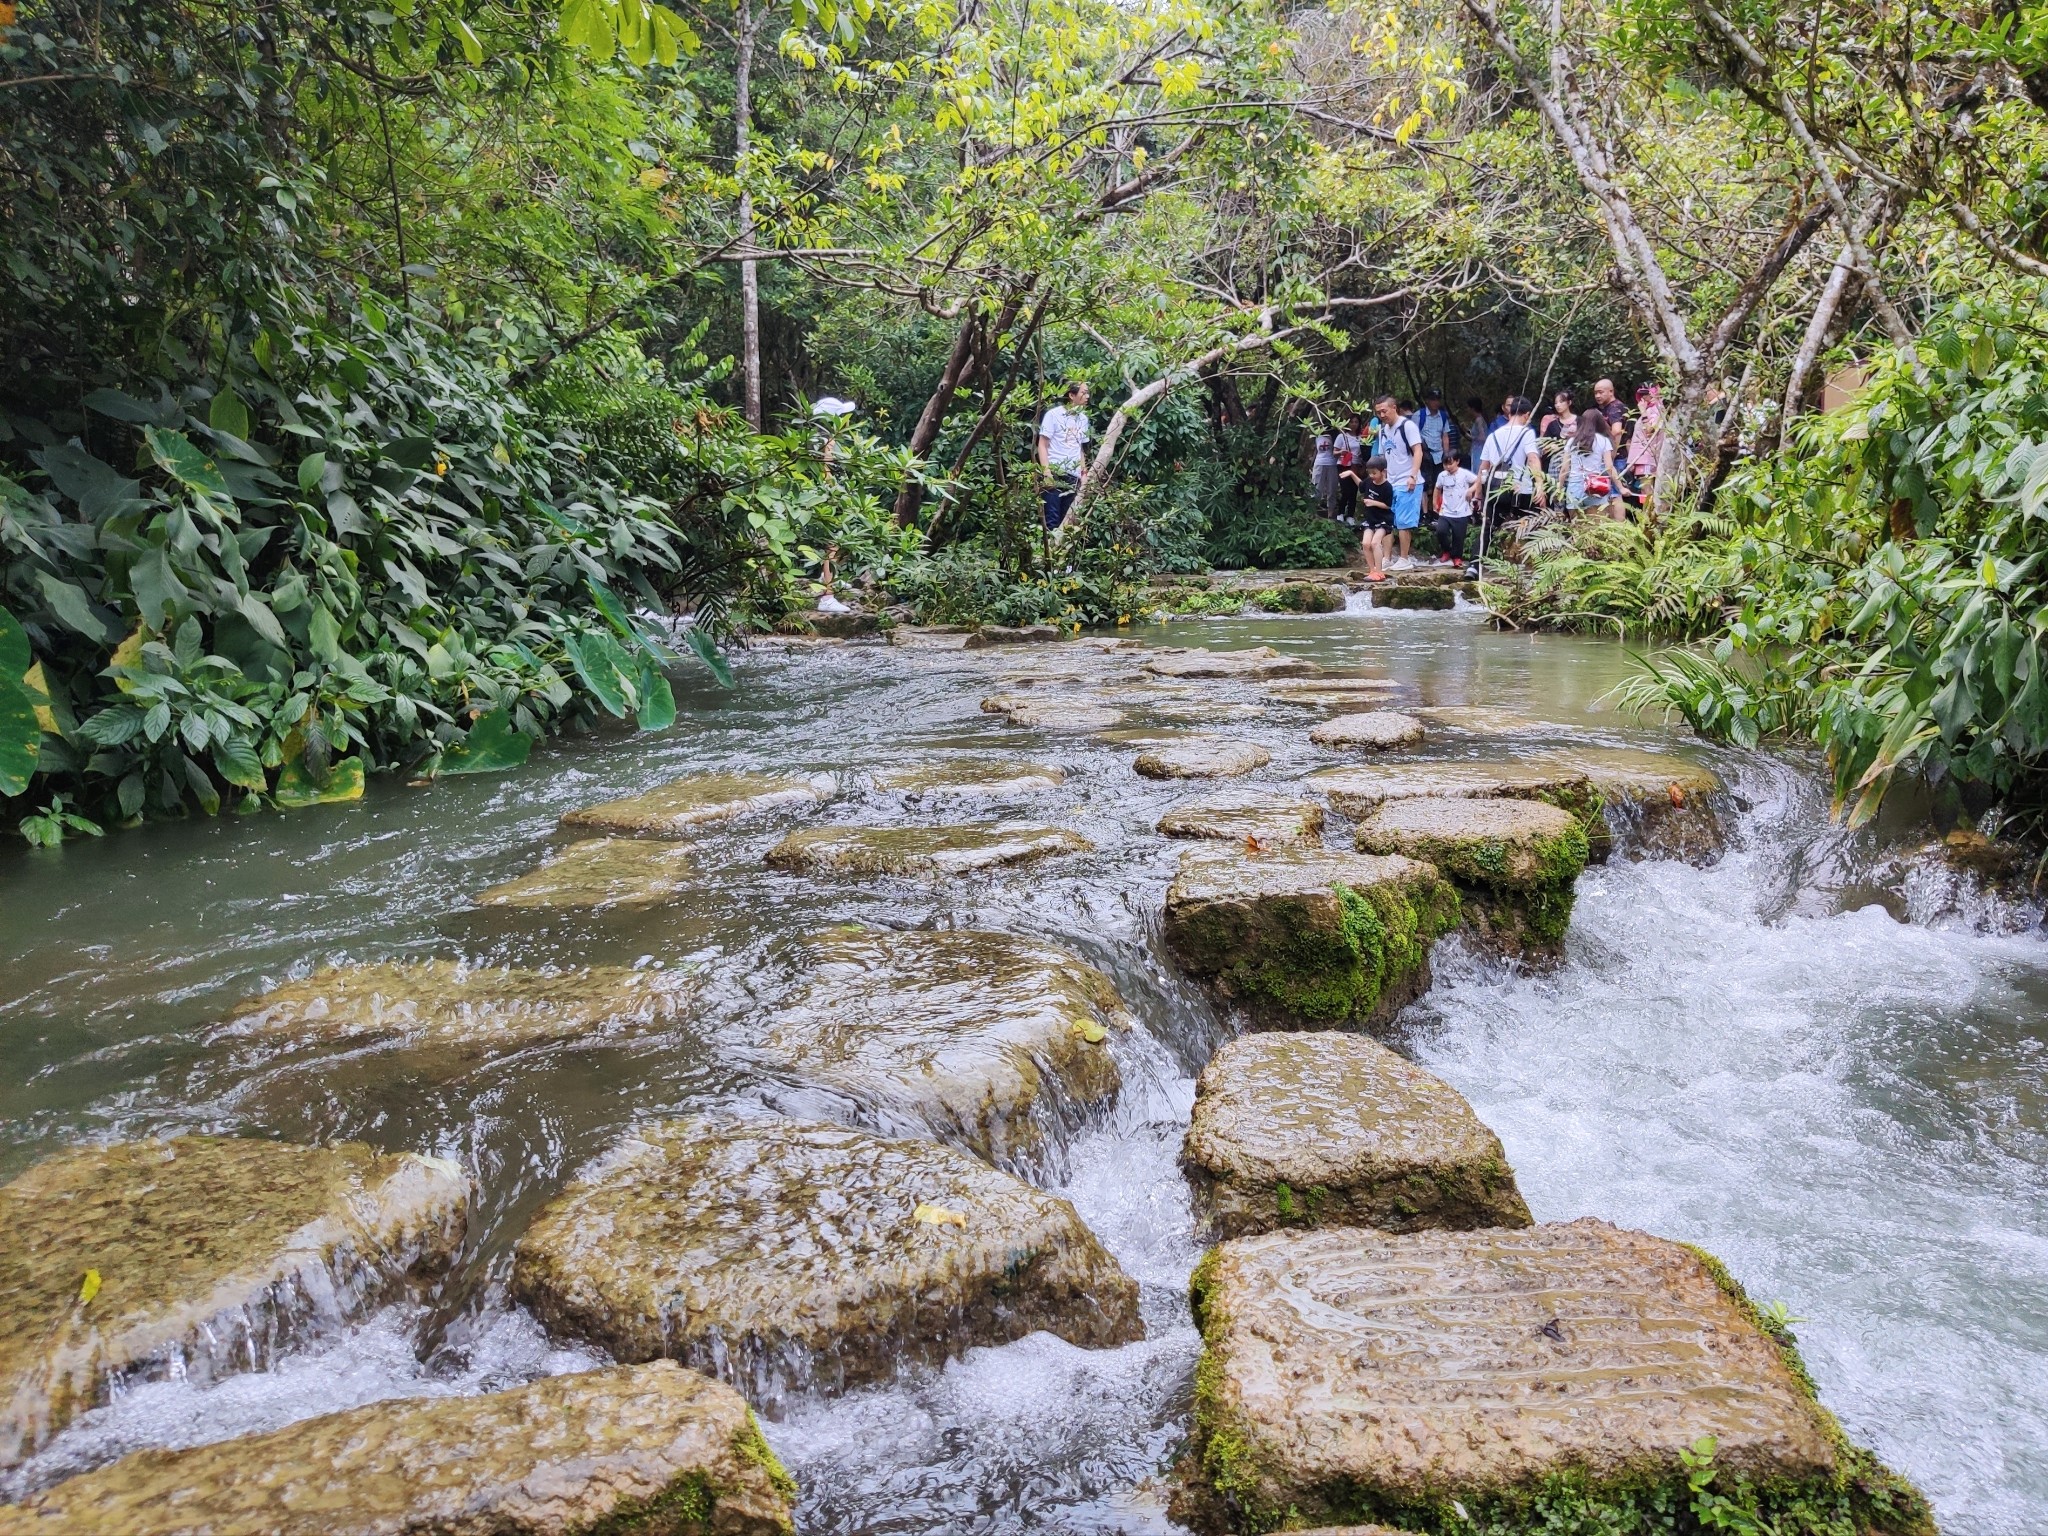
<point>1817,1058</point>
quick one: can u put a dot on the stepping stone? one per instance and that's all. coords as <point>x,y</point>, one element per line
<point>997,1044</point>
<point>1052,712</point>
<point>1413,596</point>
<point>1259,661</point>
<point>1322,1130</point>
<point>1349,1374</point>
<point>969,777</point>
<point>599,872</point>
<point>450,1016</point>
<point>1516,863</point>
<point>1377,730</point>
<point>827,625</point>
<point>1662,807</point>
<point>1358,792</point>
<point>1002,634</point>
<point>212,1254</point>
<point>1300,597</point>
<point>1267,822</point>
<point>786,1255</point>
<point>674,809</point>
<point>1299,936</point>
<point>1201,757</point>
<point>1339,696</point>
<point>1487,721</point>
<point>562,1456</point>
<point>919,850</point>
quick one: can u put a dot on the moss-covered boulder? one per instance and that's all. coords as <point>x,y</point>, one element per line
<point>651,1449</point>
<point>702,798</point>
<point>1266,823</point>
<point>1298,936</point>
<point>987,635</point>
<point>828,625</point>
<point>1301,597</point>
<point>1559,1377</point>
<point>1321,1130</point>
<point>1659,807</point>
<point>198,1257</point>
<point>1051,711</point>
<point>1373,730</point>
<point>599,872</point>
<point>919,850</point>
<point>1259,661</point>
<point>1413,596</point>
<point>994,1043</point>
<point>785,1255</point>
<point>1516,863</point>
<point>1201,757</point>
<point>447,1017</point>
<point>1360,791</point>
<point>968,778</point>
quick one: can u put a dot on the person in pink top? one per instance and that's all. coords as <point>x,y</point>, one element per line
<point>1647,443</point>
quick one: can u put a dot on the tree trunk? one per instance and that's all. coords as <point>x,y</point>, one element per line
<point>962,363</point>
<point>746,25</point>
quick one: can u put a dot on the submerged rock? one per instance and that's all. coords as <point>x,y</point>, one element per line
<point>1301,936</point>
<point>987,777</point>
<point>674,809</point>
<point>1660,807</point>
<point>1356,1375</point>
<point>783,1255</point>
<point>1485,720</point>
<point>1265,822</point>
<point>995,1043</point>
<point>451,1016</point>
<point>1050,712</point>
<point>1377,730</point>
<point>919,850</point>
<point>1201,757</point>
<point>1516,862</point>
<point>1358,792</point>
<point>646,1448</point>
<point>599,872</point>
<point>197,1257</point>
<point>1320,1130</point>
<point>1259,661</point>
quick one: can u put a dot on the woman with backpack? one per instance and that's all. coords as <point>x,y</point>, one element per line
<point>1589,476</point>
<point>1510,471</point>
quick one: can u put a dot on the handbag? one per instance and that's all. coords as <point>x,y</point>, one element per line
<point>1599,485</point>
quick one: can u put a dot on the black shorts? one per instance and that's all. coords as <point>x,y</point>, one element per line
<point>1377,519</point>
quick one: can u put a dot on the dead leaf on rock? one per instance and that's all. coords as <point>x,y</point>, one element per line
<point>938,1216</point>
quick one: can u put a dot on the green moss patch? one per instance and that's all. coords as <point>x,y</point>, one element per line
<point>1336,973</point>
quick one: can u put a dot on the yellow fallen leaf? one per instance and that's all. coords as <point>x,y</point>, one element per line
<point>938,1216</point>
<point>90,1288</point>
<point>1090,1031</point>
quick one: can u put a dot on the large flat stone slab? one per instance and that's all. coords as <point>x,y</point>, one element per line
<point>1322,1130</point>
<point>699,800</point>
<point>646,1448</point>
<point>599,872</point>
<point>1299,936</point>
<point>997,1044</point>
<point>1488,720</point>
<point>919,850</point>
<point>1359,791</point>
<point>1374,730</point>
<point>1051,712</point>
<point>969,778</point>
<point>1201,757</point>
<point>1516,862</point>
<point>1267,823</point>
<point>1259,661</point>
<point>783,1255</point>
<point>1660,807</point>
<point>211,1254</point>
<point>1358,1375</point>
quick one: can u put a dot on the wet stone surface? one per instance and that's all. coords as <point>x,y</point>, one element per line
<point>990,778</point>
<point>919,850</point>
<point>1267,822</point>
<point>599,872</point>
<point>212,1254</point>
<point>1348,1373</point>
<point>1258,661</point>
<point>1322,1130</point>
<point>702,798</point>
<point>1375,730</point>
<point>609,1450</point>
<point>1360,791</point>
<point>1201,757</point>
<point>997,1044</point>
<point>1660,807</point>
<point>1052,712</point>
<point>786,1255</point>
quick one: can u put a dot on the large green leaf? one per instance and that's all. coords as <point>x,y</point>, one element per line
<point>603,668</point>
<point>657,711</point>
<point>21,735</point>
<point>706,652</point>
<point>491,746</point>
<point>183,460</point>
<point>296,788</point>
<point>229,413</point>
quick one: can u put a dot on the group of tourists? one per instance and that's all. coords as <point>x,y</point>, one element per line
<point>1383,476</point>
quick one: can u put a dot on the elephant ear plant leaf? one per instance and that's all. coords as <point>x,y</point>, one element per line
<point>21,733</point>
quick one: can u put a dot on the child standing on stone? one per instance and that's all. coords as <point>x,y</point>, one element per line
<point>1376,511</point>
<point>1455,488</point>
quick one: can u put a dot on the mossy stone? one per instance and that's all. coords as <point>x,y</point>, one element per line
<point>1201,757</point>
<point>969,778</point>
<point>1516,863</point>
<point>674,809</point>
<point>1300,597</point>
<point>1413,596</point>
<point>1267,823</point>
<point>596,873</point>
<point>919,850</point>
<point>1360,791</point>
<point>1052,711</point>
<point>1659,806</point>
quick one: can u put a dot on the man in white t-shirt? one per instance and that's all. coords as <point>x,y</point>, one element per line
<point>1510,470</point>
<point>1063,454</point>
<point>1399,442</point>
<point>1456,490</point>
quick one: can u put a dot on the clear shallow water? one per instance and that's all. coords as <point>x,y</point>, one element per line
<point>1850,1109</point>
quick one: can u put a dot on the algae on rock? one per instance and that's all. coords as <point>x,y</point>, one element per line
<point>651,1449</point>
<point>919,850</point>
<point>1265,822</point>
<point>598,872</point>
<point>1358,791</point>
<point>674,809</point>
<point>969,777</point>
<point>1305,937</point>
<point>1662,807</point>
<point>1516,863</point>
<point>212,1254</point>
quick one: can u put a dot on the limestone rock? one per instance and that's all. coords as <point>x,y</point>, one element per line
<point>651,1448</point>
<point>1267,822</point>
<point>783,1255</point>
<point>1516,863</point>
<point>1485,720</point>
<point>1201,757</point>
<point>452,1016</point>
<point>995,1043</point>
<point>828,625</point>
<point>1300,597</point>
<point>599,872</point>
<point>674,809</point>
<point>1377,730</point>
<point>1358,792</point>
<point>212,1253</point>
<point>1052,712</point>
<point>1321,1130</point>
<point>1413,596</point>
<point>1259,661</point>
<point>1350,1374</point>
<point>1661,807</point>
<point>919,850</point>
<point>1299,936</point>
<point>1003,634</point>
<point>969,777</point>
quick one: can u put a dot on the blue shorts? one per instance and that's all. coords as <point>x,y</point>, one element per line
<point>1408,507</point>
